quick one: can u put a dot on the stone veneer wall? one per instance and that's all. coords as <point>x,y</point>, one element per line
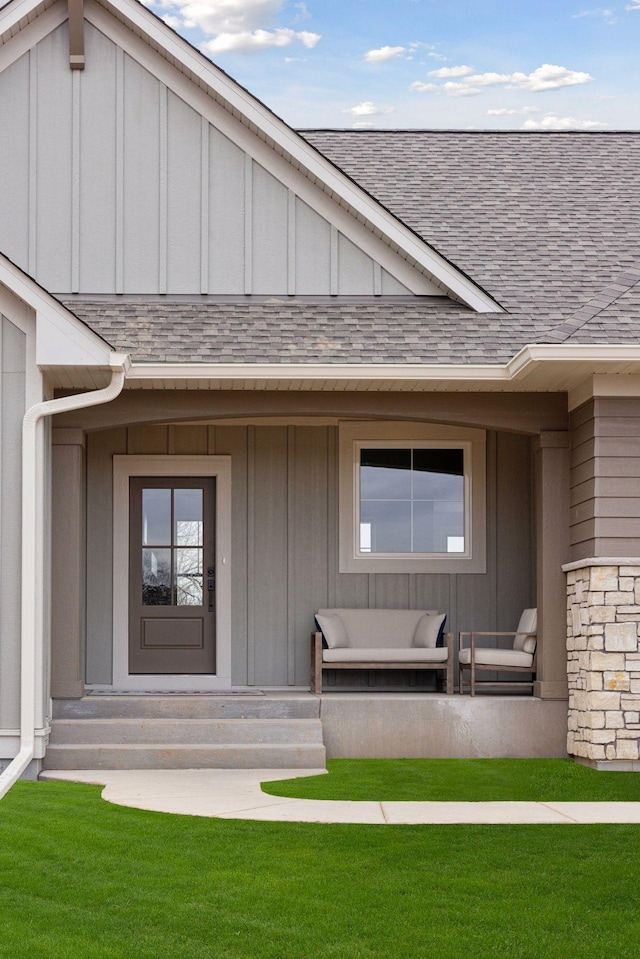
<point>603,661</point>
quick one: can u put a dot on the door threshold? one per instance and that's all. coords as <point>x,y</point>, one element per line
<point>174,692</point>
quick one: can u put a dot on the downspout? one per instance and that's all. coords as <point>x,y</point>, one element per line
<point>31,634</point>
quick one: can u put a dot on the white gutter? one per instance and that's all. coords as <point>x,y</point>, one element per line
<point>31,634</point>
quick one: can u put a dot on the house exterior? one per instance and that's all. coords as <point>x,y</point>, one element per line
<point>219,325</point>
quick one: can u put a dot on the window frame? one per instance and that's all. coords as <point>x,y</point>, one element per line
<point>357,436</point>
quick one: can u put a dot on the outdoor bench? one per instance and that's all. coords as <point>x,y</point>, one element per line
<point>380,639</point>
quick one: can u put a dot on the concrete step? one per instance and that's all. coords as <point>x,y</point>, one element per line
<point>304,706</point>
<point>204,731</point>
<point>185,756</point>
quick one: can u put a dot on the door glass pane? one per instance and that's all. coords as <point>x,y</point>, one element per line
<point>156,517</point>
<point>188,517</point>
<point>156,577</point>
<point>188,577</point>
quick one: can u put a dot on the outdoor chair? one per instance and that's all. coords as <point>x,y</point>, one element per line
<point>521,658</point>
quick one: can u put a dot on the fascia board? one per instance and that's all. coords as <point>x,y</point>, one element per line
<point>61,338</point>
<point>303,155</point>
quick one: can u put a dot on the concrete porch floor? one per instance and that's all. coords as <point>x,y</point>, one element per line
<point>236,794</point>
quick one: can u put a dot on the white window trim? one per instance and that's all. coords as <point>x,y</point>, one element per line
<point>355,436</point>
<point>123,468</point>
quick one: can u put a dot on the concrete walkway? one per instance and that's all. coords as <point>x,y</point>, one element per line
<point>236,794</point>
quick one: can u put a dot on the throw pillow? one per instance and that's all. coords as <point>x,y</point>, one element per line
<point>333,630</point>
<point>428,630</point>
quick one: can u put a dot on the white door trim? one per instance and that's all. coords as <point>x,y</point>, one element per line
<point>123,468</point>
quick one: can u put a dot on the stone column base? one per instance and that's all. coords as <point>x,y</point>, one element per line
<point>603,661</point>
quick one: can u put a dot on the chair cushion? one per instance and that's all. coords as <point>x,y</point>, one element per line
<point>333,630</point>
<point>528,624</point>
<point>428,631</point>
<point>497,657</point>
<point>376,655</point>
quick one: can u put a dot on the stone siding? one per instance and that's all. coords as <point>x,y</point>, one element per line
<point>603,662</point>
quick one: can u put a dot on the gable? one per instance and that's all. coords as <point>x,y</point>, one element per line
<point>67,145</point>
<point>121,186</point>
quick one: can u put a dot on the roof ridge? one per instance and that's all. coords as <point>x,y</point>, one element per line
<point>620,285</point>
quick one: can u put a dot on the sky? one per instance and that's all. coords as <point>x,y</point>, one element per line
<point>436,64</point>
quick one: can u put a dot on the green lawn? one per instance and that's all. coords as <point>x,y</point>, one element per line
<point>472,780</point>
<point>82,879</point>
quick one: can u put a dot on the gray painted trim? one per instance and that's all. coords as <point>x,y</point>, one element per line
<point>601,561</point>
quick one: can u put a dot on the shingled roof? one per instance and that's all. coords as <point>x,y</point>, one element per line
<point>548,224</point>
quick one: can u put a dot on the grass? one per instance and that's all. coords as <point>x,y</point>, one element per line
<point>471,780</point>
<point>82,879</point>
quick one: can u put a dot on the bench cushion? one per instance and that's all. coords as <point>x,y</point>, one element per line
<point>379,628</point>
<point>498,657</point>
<point>413,654</point>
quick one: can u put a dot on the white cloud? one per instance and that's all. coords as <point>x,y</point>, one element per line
<point>295,60</point>
<point>546,77</point>
<point>453,89</point>
<point>512,112</point>
<point>551,121</point>
<point>634,5</point>
<point>600,13</point>
<point>442,73</point>
<point>172,21</point>
<point>384,53</point>
<point>367,109</point>
<point>363,125</point>
<point>247,42</point>
<point>420,87</point>
<point>436,56</point>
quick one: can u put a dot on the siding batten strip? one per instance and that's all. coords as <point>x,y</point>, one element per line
<point>291,555</point>
<point>164,187</point>
<point>291,244</point>
<point>119,170</point>
<point>33,168</point>
<point>248,224</point>
<point>204,208</point>
<point>75,182</point>
<point>334,262</point>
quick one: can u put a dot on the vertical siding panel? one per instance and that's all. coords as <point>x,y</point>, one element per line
<point>75,183</point>
<point>186,205</point>
<point>313,252</point>
<point>204,205</point>
<point>119,186</point>
<point>355,269</point>
<point>291,549</point>
<point>147,440</point>
<point>270,551</point>
<point>392,590</point>
<point>54,162</point>
<point>513,502</point>
<point>248,224</point>
<point>226,215</point>
<point>332,516</point>
<point>269,234</point>
<point>291,243</point>
<point>163,199</point>
<point>334,280</point>
<point>33,161</point>
<point>12,406</point>
<point>100,192</point>
<point>312,535</point>
<point>232,441</point>
<point>251,555</point>
<point>101,448</point>
<point>141,179</point>
<point>190,440</point>
<point>15,161</point>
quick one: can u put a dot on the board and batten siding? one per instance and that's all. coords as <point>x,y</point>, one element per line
<point>119,186</point>
<point>12,407</point>
<point>605,478</point>
<point>285,546</point>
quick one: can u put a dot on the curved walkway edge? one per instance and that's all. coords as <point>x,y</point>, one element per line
<point>236,794</point>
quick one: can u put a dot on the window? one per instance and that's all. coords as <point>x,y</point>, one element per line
<point>411,498</point>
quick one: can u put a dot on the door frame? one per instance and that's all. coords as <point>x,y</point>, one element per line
<point>125,467</point>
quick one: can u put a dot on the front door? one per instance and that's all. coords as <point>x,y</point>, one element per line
<point>172,575</point>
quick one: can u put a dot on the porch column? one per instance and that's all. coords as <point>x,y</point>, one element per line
<point>551,465</point>
<point>67,563</point>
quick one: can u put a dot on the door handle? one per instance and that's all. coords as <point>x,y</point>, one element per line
<point>211,586</point>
